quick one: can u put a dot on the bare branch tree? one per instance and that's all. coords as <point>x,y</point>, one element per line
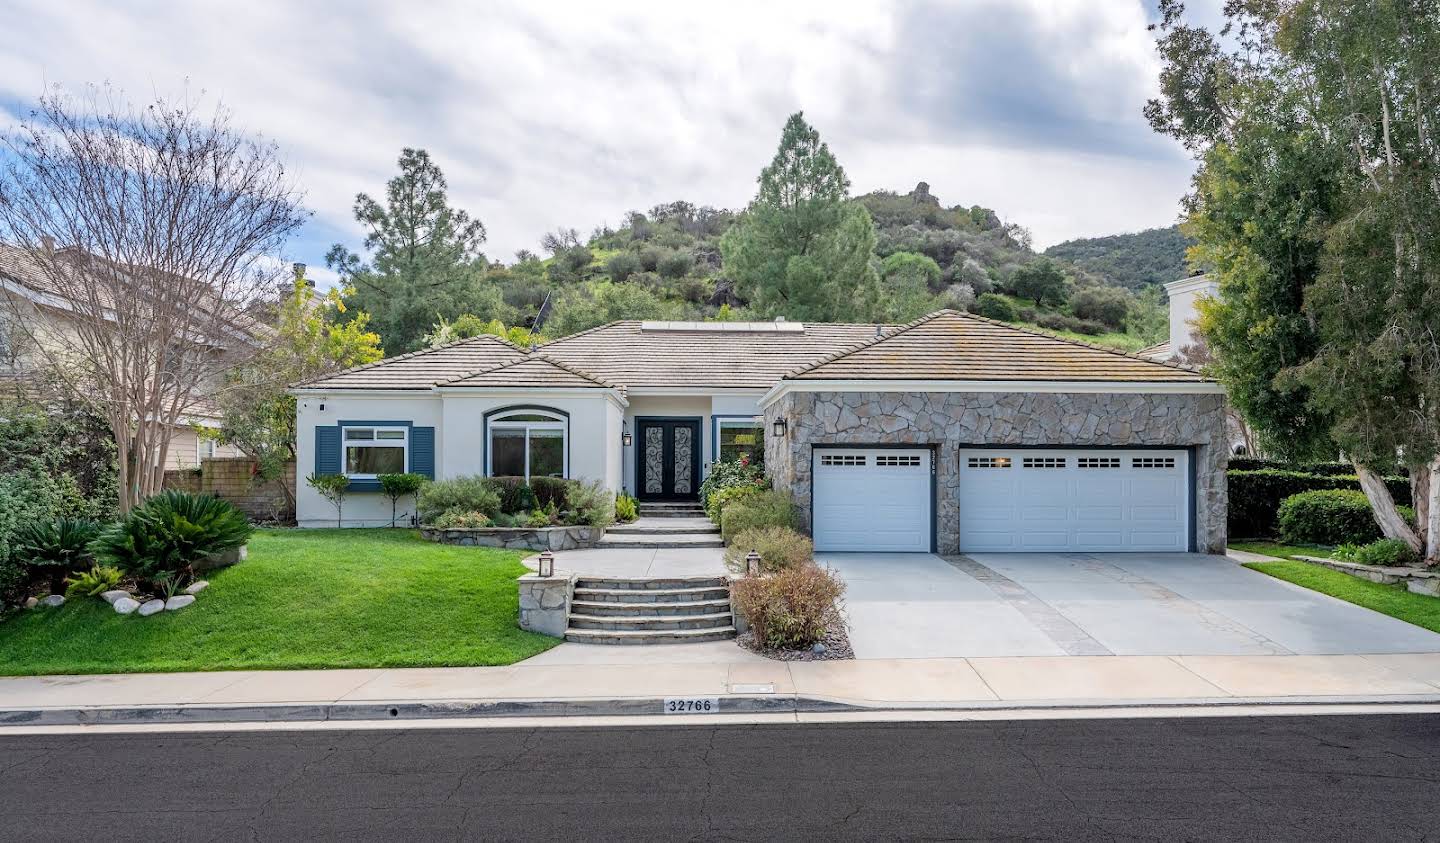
<point>144,234</point>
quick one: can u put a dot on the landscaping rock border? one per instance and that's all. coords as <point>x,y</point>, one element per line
<point>836,645</point>
<point>1416,580</point>
<point>517,538</point>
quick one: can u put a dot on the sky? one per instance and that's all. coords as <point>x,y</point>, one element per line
<point>560,113</point>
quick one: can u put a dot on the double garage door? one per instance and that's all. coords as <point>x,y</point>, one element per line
<point>1022,500</point>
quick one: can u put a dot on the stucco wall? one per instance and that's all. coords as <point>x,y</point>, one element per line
<point>954,420</point>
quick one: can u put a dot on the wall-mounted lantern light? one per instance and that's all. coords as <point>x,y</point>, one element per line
<point>626,440</point>
<point>778,429</point>
<point>546,568</point>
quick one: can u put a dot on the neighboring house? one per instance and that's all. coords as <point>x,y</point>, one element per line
<point>27,295</point>
<point>952,433</point>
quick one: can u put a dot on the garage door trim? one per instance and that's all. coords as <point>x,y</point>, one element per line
<point>816,448</point>
<point>1191,452</point>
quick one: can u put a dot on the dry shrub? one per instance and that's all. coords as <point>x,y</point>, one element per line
<point>789,609</point>
<point>780,548</point>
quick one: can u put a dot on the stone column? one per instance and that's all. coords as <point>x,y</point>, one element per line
<point>545,604</point>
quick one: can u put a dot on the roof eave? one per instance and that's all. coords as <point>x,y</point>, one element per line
<point>1178,387</point>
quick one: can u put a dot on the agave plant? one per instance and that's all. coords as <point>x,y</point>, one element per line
<point>161,540</point>
<point>56,548</point>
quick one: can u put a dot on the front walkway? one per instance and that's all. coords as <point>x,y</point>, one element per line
<point>638,562</point>
<point>1108,604</point>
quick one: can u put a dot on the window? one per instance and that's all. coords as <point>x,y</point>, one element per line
<point>897,460</point>
<point>1043,462</point>
<point>741,436</point>
<point>988,462</point>
<point>1098,462</point>
<point>842,459</point>
<point>1152,462</point>
<point>370,451</point>
<point>528,443</point>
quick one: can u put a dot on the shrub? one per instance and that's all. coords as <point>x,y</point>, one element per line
<point>674,265</point>
<point>1327,516</point>
<point>1328,469</point>
<point>1061,322</point>
<point>56,548</point>
<point>457,519</point>
<point>621,266</point>
<point>29,495</point>
<point>995,306</point>
<point>537,518</point>
<point>789,609</point>
<point>397,486</point>
<point>333,488</point>
<point>765,509</point>
<point>721,498</point>
<point>1255,496</point>
<point>1382,552</point>
<point>1106,305</point>
<point>780,549</point>
<point>458,494</point>
<point>518,496</point>
<point>590,503</point>
<point>626,508</point>
<point>94,582</point>
<point>726,474</point>
<point>160,541</point>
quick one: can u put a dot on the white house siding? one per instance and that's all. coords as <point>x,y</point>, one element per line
<point>459,422</point>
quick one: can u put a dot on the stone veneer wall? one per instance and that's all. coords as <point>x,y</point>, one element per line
<point>954,420</point>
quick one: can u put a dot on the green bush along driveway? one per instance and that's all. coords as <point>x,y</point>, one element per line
<point>304,599</point>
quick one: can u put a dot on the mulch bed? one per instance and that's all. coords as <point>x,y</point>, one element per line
<point>836,641</point>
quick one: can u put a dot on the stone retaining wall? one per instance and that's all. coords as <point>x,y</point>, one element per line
<point>949,421</point>
<point>517,538</point>
<point>1417,580</point>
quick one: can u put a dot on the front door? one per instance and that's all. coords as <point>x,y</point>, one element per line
<point>668,459</point>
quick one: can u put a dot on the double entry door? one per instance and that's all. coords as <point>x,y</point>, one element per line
<point>667,459</point>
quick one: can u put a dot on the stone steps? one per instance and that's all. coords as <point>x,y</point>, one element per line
<point>672,510</point>
<point>659,610</point>
<point>665,527</point>
<point>657,540</point>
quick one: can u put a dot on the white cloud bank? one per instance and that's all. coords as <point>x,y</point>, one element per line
<point>550,114</point>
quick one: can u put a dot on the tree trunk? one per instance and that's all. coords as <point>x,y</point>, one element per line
<point>1431,508</point>
<point>1382,503</point>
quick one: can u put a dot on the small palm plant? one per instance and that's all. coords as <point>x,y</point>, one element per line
<point>57,548</point>
<point>160,541</point>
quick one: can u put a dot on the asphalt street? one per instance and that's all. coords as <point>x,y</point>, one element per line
<point>1293,778</point>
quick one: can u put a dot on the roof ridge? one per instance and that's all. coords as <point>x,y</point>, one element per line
<point>591,330</point>
<point>1039,332</point>
<point>528,357</point>
<point>881,335</point>
<point>574,370</point>
<point>408,355</point>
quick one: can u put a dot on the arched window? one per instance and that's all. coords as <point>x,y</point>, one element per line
<point>528,442</point>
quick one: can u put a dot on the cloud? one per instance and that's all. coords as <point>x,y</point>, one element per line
<point>571,113</point>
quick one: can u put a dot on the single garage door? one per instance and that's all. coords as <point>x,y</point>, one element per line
<point>1064,499</point>
<point>872,499</point>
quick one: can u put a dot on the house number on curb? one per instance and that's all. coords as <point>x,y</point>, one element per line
<point>691,705</point>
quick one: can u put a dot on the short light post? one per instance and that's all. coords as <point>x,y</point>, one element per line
<point>546,568</point>
<point>752,564</point>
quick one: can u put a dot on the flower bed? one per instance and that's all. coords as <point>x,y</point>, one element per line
<point>517,538</point>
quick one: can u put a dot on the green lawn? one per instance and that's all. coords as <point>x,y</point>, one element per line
<point>1283,551</point>
<point>304,599</point>
<point>1392,600</point>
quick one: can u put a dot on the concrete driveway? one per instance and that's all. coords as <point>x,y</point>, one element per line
<point>1069,604</point>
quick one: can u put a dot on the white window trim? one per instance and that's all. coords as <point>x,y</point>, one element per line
<point>403,443</point>
<point>557,422</point>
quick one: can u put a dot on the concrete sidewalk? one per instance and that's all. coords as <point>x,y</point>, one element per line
<point>748,686</point>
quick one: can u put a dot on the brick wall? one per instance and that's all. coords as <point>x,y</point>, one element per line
<point>233,479</point>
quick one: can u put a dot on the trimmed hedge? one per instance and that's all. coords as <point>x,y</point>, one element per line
<point>766,509</point>
<point>1328,469</point>
<point>1255,496</point>
<point>1327,516</point>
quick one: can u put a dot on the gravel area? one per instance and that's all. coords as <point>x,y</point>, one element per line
<point>836,641</point>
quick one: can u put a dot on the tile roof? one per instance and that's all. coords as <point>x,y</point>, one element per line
<point>1158,351</point>
<point>638,356</point>
<point>423,369</point>
<point>948,345</point>
<point>530,371</point>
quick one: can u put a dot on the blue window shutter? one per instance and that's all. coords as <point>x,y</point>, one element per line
<point>422,451</point>
<point>327,450</point>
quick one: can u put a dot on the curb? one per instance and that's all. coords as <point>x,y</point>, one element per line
<point>632,706</point>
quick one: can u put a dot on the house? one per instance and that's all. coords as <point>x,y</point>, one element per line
<point>952,433</point>
<point>26,294</point>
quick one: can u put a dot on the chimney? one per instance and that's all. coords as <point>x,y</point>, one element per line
<point>1183,296</point>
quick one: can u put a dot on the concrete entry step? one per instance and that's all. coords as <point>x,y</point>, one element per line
<point>604,608</point>
<point>651,526</point>
<point>715,620</point>
<point>652,595</point>
<point>648,636</point>
<point>661,541</point>
<point>650,583</point>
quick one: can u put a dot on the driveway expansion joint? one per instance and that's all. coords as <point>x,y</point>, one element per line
<point>1058,628</point>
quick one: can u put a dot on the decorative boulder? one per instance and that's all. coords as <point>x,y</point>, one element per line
<point>32,602</point>
<point>223,559</point>
<point>179,601</point>
<point>111,596</point>
<point>197,586</point>
<point>53,600</point>
<point>125,605</point>
<point>151,607</point>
